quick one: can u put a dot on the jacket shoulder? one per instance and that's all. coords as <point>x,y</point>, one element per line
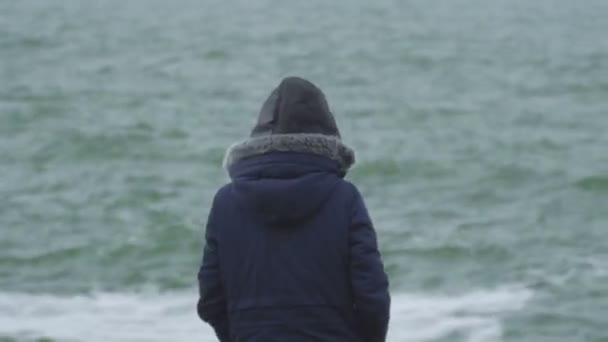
<point>222,196</point>
<point>349,192</point>
<point>223,192</point>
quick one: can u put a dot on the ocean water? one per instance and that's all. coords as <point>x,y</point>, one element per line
<point>480,127</point>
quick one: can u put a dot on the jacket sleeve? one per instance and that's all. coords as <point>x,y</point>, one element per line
<point>368,278</point>
<point>212,307</point>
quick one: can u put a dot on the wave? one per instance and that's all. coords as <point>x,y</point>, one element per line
<point>149,316</point>
<point>596,183</point>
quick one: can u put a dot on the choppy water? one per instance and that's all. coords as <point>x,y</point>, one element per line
<point>481,131</point>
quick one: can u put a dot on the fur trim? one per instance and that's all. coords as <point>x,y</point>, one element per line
<point>319,144</point>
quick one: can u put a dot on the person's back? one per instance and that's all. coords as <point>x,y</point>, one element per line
<point>291,253</point>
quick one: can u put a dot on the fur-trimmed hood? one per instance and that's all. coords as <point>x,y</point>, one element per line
<point>294,158</point>
<point>330,147</point>
<point>294,118</point>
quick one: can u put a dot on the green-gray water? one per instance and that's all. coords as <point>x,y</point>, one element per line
<point>480,126</point>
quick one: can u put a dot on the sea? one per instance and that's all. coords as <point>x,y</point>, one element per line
<point>481,132</point>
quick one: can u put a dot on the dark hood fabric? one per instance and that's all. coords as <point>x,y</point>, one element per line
<point>296,106</point>
<point>295,119</point>
<point>283,187</point>
<point>290,251</point>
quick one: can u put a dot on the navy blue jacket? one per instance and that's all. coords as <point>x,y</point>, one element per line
<point>291,255</point>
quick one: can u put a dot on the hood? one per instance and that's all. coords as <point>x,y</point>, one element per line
<point>284,188</point>
<point>294,157</point>
<point>294,118</point>
<point>296,106</point>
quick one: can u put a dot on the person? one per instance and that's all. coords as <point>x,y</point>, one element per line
<point>290,251</point>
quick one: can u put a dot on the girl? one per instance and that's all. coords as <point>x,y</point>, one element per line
<point>291,253</point>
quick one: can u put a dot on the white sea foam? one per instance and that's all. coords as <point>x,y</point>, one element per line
<point>475,316</point>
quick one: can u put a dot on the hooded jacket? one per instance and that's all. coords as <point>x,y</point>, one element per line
<point>290,250</point>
